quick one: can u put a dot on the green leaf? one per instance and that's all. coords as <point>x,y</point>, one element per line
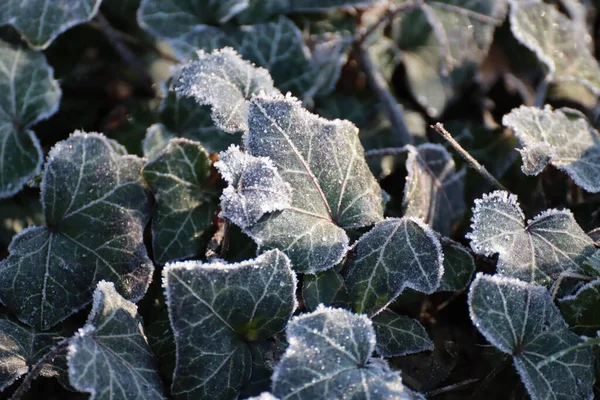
<point>31,95</point>
<point>556,41</point>
<point>458,267</point>
<point>215,309</point>
<point>329,356</point>
<point>521,320</point>
<point>563,138</point>
<point>156,140</point>
<point>161,341</point>
<point>395,254</point>
<point>110,357</point>
<point>580,309</point>
<point>327,288</point>
<point>41,21</point>
<point>95,207</point>
<point>184,210</point>
<point>434,191</point>
<point>398,335</point>
<point>333,188</point>
<point>550,244</point>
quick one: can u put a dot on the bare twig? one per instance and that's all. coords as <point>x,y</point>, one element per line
<point>439,128</point>
<point>386,151</point>
<point>450,388</point>
<point>386,18</point>
<point>225,241</point>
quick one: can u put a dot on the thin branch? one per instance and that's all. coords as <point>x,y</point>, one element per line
<point>386,151</point>
<point>439,128</point>
<point>386,18</point>
<point>541,92</point>
<point>450,388</point>
<point>225,241</point>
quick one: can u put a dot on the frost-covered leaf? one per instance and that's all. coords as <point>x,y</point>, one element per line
<point>95,207</point>
<point>263,396</point>
<point>41,21</point>
<point>109,357</point>
<point>537,252</point>
<point>184,210</point>
<point>563,138</point>
<point>398,335</point>
<point>458,267</point>
<point>162,342</point>
<point>255,187</point>
<point>329,356</point>
<point>30,95</point>
<point>434,191</point>
<point>395,254</point>
<point>520,319</point>
<point>327,288</point>
<point>156,140</point>
<point>556,41</point>
<point>226,82</point>
<point>333,188</point>
<point>215,309</point>
<point>580,310</point>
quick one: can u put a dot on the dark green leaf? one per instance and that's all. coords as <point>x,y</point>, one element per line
<point>327,288</point>
<point>458,267</point>
<point>398,335</point>
<point>580,310</point>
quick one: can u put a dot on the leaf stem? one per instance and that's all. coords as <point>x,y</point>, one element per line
<point>386,151</point>
<point>450,388</point>
<point>541,92</point>
<point>386,18</point>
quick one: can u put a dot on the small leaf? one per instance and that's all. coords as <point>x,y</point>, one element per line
<point>580,310</point>
<point>255,187</point>
<point>434,190</point>
<point>184,210</point>
<point>329,356</point>
<point>563,138</point>
<point>41,21</point>
<point>95,207</point>
<point>327,288</point>
<point>110,357</point>
<point>215,309</point>
<point>398,335</point>
<point>156,139</point>
<point>395,254</point>
<point>550,244</point>
<point>520,319</point>
<point>458,267</point>
<point>226,82</point>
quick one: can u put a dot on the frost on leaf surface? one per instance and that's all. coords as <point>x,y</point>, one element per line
<point>333,188</point>
<point>580,309</point>
<point>226,82</point>
<point>537,252</point>
<point>434,191</point>
<point>520,319</point>
<point>218,310</point>
<point>329,356</point>
<point>563,138</point>
<point>30,95</point>
<point>184,211</point>
<point>95,207</point>
<point>255,187</point>
<point>556,41</point>
<point>109,357</point>
<point>458,267</point>
<point>398,335</point>
<point>396,254</point>
<point>327,288</point>
<point>41,21</point>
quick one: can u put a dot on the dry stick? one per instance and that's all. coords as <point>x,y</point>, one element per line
<point>439,128</point>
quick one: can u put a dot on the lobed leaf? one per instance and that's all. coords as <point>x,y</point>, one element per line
<point>398,335</point>
<point>580,309</point>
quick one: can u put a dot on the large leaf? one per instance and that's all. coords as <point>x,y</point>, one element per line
<point>41,21</point>
<point>329,356</point>
<point>556,41</point>
<point>520,319</point>
<point>548,245</point>
<point>95,207</point>
<point>110,357</point>
<point>396,254</point>
<point>30,95</point>
<point>184,210</point>
<point>580,310</point>
<point>398,335</point>
<point>215,309</point>
<point>563,138</point>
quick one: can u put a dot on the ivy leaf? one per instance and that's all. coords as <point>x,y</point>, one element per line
<point>395,254</point>
<point>329,356</point>
<point>333,188</point>
<point>580,310</point>
<point>224,81</point>
<point>215,309</point>
<point>327,288</point>
<point>398,335</point>
<point>156,140</point>
<point>458,267</point>
<point>434,190</point>
<point>161,341</point>
<point>520,319</point>
<point>41,21</point>
<point>31,96</point>
<point>563,138</point>
<point>550,244</point>
<point>255,187</point>
<point>184,210</point>
<point>110,357</point>
<point>95,207</point>
<point>556,42</point>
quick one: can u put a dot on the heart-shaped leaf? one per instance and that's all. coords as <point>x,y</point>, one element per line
<point>398,335</point>
<point>550,244</point>
<point>110,357</point>
<point>95,207</point>
<point>581,309</point>
<point>215,309</point>
<point>520,319</point>
<point>395,254</point>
